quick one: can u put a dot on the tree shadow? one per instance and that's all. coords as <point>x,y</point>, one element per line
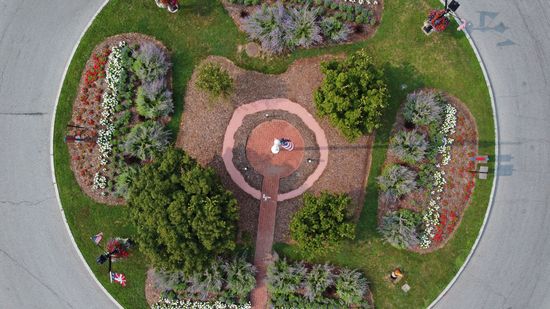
<point>199,7</point>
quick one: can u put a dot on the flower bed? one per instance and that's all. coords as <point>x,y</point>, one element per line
<point>109,129</point>
<point>441,181</point>
<point>305,23</point>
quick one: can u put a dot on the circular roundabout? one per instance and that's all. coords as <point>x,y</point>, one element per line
<point>256,150</point>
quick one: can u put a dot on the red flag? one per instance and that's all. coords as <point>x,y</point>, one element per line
<point>118,278</point>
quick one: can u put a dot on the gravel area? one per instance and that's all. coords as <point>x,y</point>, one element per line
<point>204,122</point>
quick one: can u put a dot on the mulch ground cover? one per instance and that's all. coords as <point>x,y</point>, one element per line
<point>460,180</point>
<point>204,121</point>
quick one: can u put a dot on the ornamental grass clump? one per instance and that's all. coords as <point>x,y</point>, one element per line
<point>215,80</point>
<point>334,30</point>
<point>206,283</point>
<point>153,100</point>
<point>269,25</point>
<point>423,108</point>
<point>124,180</point>
<point>302,27</point>
<point>146,139</point>
<point>240,277</point>
<point>284,279</point>
<point>351,287</point>
<point>401,228</point>
<point>169,280</point>
<point>317,281</point>
<point>150,63</point>
<point>409,146</point>
<point>397,181</point>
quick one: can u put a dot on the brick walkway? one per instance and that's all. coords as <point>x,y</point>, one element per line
<point>273,167</point>
<point>264,239</point>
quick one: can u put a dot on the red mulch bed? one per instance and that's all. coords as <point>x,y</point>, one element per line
<point>360,31</point>
<point>460,181</point>
<point>204,122</point>
<point>87,113</point>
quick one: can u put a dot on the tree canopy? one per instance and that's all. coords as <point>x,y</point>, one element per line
<point>184,216</point>
<point>353,94</point>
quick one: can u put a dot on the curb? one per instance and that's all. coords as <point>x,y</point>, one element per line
<point>495,178</point>
<point>52,127</point>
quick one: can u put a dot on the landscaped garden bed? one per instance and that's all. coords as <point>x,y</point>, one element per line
<point>283,26</point>
<point>427,179</point>
<point>205,120</point>
<point>203,28</point>
<point>123,104</point>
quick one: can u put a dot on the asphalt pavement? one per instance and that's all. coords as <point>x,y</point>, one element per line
<point>39,266</point>
<point>511,266</point>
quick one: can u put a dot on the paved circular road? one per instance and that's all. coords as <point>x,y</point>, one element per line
<point>510,268</point>
<point>40,268</point>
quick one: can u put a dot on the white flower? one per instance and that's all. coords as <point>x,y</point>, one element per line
<point>100,181</point>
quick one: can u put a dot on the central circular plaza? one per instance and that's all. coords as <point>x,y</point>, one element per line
<point>260,141</point>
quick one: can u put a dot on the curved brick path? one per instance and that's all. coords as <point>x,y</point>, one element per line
<point>273,168</point>
<point>271,104</point>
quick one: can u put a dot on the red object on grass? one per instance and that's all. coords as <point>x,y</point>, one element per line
<point>438,20</point>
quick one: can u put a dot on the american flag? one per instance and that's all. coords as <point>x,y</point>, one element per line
<point>287,144</point>
<point>119,278</point>
<point>97,238</point>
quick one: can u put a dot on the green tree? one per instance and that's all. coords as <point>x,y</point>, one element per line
<point>215,80</point>
<point>184,216</point>
<point>321,222</point>
<point>353,94</point>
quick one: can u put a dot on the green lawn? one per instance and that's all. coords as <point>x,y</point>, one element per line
<point>202,28</point>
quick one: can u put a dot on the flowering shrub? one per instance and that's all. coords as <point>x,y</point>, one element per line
<point>188,304</point>
<point>116,74</point>
<point>431,220</point>
<point>443,140</point>
<point>100,181</point>
<point>97,70</point>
